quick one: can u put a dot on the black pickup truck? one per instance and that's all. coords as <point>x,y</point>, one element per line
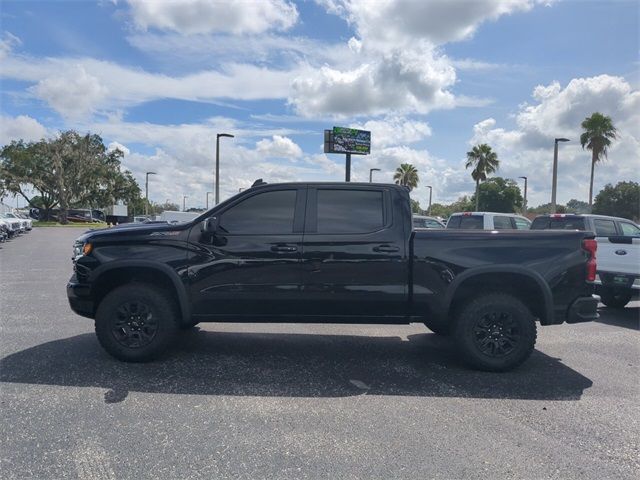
<point>331,253</point>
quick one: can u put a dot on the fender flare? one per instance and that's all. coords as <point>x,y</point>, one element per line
<point>180,289</point>
<point>508,268</point>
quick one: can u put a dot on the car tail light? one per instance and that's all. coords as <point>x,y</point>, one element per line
<point>590,246</point>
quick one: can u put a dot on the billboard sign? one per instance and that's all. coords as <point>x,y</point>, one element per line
<point>347,140</point>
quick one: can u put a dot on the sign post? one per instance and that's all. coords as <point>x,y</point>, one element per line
<point>348,141</point>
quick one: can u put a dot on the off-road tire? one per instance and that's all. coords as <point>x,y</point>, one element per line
<point>494,332</point>
<point>136,309</point>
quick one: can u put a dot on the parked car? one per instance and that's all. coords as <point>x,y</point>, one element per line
<point>618,279</point>
<point>4,232</point>
<point>420,221</point>
<point>13,225</point>
<point>330,252</point>
<point>488,221</point>
<point>25,223</point>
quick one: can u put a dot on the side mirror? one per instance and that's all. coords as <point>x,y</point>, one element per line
<point>210,225</point>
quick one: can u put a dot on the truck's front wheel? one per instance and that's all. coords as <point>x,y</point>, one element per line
<point>495,332</point>
<point>136,322</point>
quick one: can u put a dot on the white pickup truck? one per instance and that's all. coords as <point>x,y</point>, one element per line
<point>618,255</point>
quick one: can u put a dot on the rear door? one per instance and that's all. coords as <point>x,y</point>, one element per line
<point>354,252</point>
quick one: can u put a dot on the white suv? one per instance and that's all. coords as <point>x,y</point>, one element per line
<point>488,221</point>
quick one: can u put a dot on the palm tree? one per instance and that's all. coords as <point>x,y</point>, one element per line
<point>407,175</point>
<point>597,136</point>
<point>484,161</point>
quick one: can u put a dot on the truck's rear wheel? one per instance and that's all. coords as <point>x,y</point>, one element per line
<point>136,322</point>
<point>495,332</point>
<point>615,299</point>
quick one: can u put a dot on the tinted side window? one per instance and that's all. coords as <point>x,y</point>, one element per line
<point>604,228</point>
<point>521,224</point>
<point>472,222</point>
<point>502,223</point>
<point>454,222</point>
<point>265,213</point>
<point>432,224</point>
<point>629,229</point>
<point>540,223</point>
<point>350,211</point>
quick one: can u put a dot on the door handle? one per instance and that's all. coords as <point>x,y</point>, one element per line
<point>283,248</point>
<point>386,248</point>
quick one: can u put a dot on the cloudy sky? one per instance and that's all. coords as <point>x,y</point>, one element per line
<point>429,78</point>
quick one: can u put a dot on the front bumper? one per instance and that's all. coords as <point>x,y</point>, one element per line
<point>583,309</point>
<point>79,298</point>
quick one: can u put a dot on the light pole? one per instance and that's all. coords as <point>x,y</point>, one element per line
<point>146,192</point>
<point>554,185</point>
<point>524,204</point>
<point>430,192</point>
<point>208,193</point>
<point>217,189</point>
<point>184,197</point>
<point>371,170</point>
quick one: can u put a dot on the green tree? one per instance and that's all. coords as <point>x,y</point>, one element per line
<point>597,136</point>
<point>498,194</point>
<point>415,207</point>
<point>623,200</point>
<point>484,161</point>
<point>24,165</point>
<point>158,208</point>
<point>547,208</point>
<point>577,206</point>
<point>407,175</point>
<point>68,171</point>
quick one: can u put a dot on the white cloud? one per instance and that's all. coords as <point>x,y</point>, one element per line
<point>395,131</point>
<point>73,92</point>
<point>77,87</point>
<point>403,22</point>
<point>206,16</point>
<point>279,147</point>
<point>118,146</point>
<point>22,127</point>
<point>558,112</point>
<point>400,80</point>
<point>7,44</point>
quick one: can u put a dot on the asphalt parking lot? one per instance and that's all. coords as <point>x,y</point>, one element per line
<point>298,401</point>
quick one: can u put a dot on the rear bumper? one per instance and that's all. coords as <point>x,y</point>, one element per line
<point>583,309</point>
<point>79,298</point>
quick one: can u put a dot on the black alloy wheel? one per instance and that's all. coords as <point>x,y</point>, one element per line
<point>494,331</point>
<point>137,322</point>
<point>134,325</point>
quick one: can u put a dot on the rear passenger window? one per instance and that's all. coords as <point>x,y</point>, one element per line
<point>605,228</point>
<point>629,229</point>
<point>502,223</point>
<point>472,222</point>
<point>454,222</point>
<point>350,211</point>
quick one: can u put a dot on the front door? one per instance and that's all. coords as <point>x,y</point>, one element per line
<point>251,264</point>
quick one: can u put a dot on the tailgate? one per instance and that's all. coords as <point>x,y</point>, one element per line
<point>619,255</point>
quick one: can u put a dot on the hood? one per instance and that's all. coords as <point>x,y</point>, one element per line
<point>131,230</point>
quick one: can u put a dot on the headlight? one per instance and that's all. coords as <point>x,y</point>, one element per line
<point>80,249</point>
